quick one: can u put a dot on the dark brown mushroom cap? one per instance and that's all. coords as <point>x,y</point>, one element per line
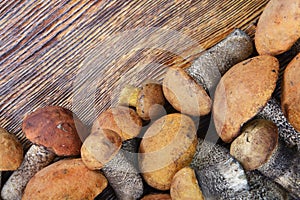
<point>11,151</point>
<point>185,94</point>
<point>256,144</point>
<point>56,128</point>
<point>100,147</point>
<point>122,120</point>
<point>290,100</point>
<point>150,101</point>
<point>242,92</point>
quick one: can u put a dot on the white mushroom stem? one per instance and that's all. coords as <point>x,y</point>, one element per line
<point>36,158</point>
<point>273,112</point>
<point>213,63</point>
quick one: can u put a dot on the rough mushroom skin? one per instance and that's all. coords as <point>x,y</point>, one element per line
<point>213,63</point>
<point>287,132</point>
<point>123,177</point>
<point>36,158</point>
<point>218,173</point>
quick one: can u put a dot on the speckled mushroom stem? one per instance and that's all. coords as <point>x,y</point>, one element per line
<point>213,63</point>
<point>36,158</point>
<point>218,173</point>
<point>123,177</point>
<point>283,168</point>
<point>287,133</point>
<point>130,149</point>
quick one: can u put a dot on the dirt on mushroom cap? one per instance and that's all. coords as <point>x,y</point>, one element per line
<point>242,92</point>
<point>290,99</point>
<point>56,128</point>
<point>65,179</point>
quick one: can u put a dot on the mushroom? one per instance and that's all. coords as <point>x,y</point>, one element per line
<point>258,147</point>
<point>185,185</point>
<point>11,152</point>
<point>237,87</point>
<point>65,179</point>
<point>113,126</point>
<point>221,176</point>
<point>148,100</point>
<point>54,131</point>
<point>157,197</point>
<point>185,89</point>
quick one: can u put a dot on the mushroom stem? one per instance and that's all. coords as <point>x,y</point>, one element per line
<point>219,174</point>
<point>273,112</point>
<point>213,63</point>
<point>123,177</point>
<point>283,168</point>
<point>36,158</point>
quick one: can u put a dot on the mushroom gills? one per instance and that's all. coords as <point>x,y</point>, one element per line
<point>213,63</point>
<point>273,112</point>
<point>36,158</point>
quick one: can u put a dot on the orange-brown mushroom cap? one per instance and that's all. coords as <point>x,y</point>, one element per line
<point>242,92</point>
<point>56,128</point>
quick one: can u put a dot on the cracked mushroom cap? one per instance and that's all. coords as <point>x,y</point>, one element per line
<point>290,100</point>
<point>56,128</point>
<point>242,92</point>
<point>65,179</point>
<point>185,94</point>
<point>256,144</point>
<point>11,151</point>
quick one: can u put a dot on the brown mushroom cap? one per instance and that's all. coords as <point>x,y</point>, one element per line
<point>278,27</point>
<point>11,151</point>
<point>157,197</point>
<point>99,148</point>
<point>120,119</point>
<point>256,144</point>
<point>150,101</point>
<point>185,94</point>
<point>65,179</point>
<point>56,128</point>
<point>185,185</point>
<point>290,100</point>
<point>242,92</point>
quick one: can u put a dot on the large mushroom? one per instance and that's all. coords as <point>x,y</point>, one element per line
<point>185,89</point>
<point>258,147</point>
<point>11,152</point>
<point>53,130</point>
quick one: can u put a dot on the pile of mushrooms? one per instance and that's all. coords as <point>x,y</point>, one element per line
<point>140,145</point>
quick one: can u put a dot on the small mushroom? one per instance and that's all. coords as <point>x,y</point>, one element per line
<point>242,92</point>
<point>185,89</point>
<point>116,125</point>
<point>258,147</point>
<point>54,131</point>
<point>185,185</point>
<point>65,179</point>
<point>11,152</point>
<point>148,100</point>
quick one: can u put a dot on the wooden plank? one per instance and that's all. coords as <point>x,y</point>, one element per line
<point>45,47</point>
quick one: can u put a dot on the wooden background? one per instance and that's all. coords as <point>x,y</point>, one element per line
<point>79,53</point>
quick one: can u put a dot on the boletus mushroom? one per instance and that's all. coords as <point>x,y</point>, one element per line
<point>185,89</point>
<point>156,196</point>
<point>11,152</point>
<point>53,130</point>
<point>259,147</point>
<point>65,179</point>
<point>148,100</point>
